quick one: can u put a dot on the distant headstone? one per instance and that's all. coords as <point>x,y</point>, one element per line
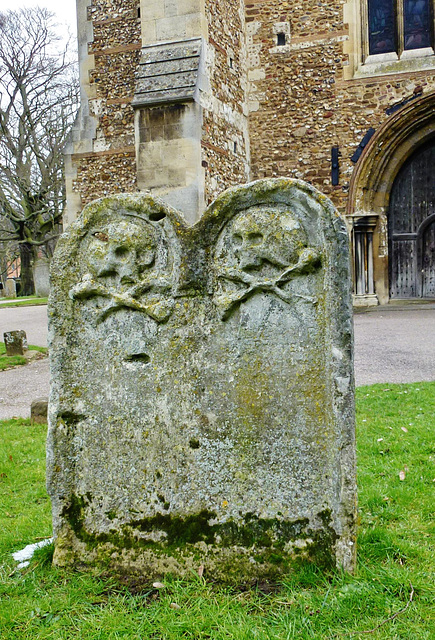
<point>15,343</point>
<point>10,290</point>
<point>41,277</point>
<point>201,406</point>
<point>38,411</point>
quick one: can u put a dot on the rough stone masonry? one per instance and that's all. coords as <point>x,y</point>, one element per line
<point>201,407</point>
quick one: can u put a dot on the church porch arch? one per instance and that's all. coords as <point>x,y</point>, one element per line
<point>370,191</point>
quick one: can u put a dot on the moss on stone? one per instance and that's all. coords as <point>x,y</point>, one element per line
<point>241,416</point>
<point>265,538</point>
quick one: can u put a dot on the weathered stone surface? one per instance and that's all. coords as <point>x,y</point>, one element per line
<point>201,405</point>
<point>38,411</point>
<point>15,342</point>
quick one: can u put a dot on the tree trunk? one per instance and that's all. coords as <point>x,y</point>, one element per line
<point>27,287</point>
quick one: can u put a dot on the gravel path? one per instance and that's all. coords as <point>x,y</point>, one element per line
<point>395,344</point>
<point>392,344</point>
<point>18,387</point>
<point>33,320</point>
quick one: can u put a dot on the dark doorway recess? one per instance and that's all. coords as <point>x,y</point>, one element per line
<point>411,226</point>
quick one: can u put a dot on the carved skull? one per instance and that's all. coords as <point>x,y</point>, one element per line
<point>120,252</point>
<point>263,235</point>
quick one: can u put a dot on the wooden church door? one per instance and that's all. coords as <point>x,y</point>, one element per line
<point>428,261</point>
<point>411,226</point>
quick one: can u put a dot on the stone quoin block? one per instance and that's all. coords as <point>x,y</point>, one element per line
<point>202,405</point>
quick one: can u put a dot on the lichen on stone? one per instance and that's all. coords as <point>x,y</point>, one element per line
<point>201,405</point>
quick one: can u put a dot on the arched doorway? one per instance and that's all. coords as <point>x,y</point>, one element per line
<point>401,243</point>
<point>411,226</point>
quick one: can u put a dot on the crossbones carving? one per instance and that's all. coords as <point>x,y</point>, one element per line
<point>309,259</point>
<point>157,308</point>
<point>265,249</point>
<point>121,259</point>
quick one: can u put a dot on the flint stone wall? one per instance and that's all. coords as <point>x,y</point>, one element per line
<point>201,408</point>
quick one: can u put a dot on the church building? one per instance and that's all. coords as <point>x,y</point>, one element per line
<point>185,98</point>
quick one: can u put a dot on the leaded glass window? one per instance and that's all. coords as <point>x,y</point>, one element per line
<point>395,26</point>
<point>382,27</point>
<point>417,24</point>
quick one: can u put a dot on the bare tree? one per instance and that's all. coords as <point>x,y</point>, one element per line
<point>38,101</point>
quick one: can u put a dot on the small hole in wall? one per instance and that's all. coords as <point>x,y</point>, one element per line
<point>231,63</point>
<point>235,147</point>
<point>155,216</point>
<point>280,39</point>
<point>121,252</point>
<point>138,12</point>
<point>138,357</point>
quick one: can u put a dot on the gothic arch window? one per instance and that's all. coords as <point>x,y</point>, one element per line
<point>398,28</point>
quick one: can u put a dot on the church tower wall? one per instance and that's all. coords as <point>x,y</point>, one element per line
<point>185,98</point>
<point>100,159</point>
<point>136,129</point>
<point>312,90</point>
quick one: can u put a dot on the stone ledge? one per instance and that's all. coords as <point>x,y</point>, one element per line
<point>167,72</point>
<point>126,151</point>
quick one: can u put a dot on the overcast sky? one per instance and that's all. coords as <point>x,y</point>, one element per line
<point>65,10</point>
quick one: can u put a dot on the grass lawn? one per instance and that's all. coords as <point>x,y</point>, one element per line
<point>391,596</point>
<point>25,302</point>
<point>6,362</point>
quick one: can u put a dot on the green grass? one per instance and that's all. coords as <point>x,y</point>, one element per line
<point>6,362</point>
<point>28,302</point>
<point>395,551</point>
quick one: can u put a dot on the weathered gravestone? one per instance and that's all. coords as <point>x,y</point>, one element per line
<point>10,290</point>
<point>41,273</point>
<point>202,398</point>
<point>15,342</point>
<point>39,411</point>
